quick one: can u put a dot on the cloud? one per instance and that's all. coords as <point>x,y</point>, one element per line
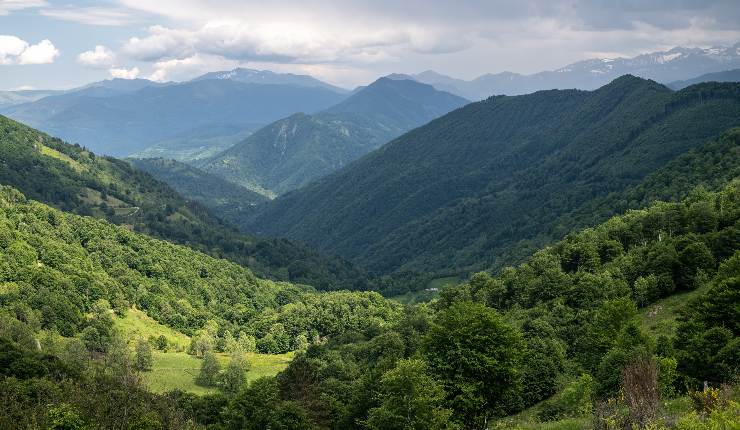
<point>123,73</point>
<point>91,15</point>
<point>289,42</point>
<point>14,50</point>
<point>99,58</point>
<point>9,6</point>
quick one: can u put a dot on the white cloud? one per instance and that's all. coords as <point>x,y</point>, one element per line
<point>9,6</point>
<point>289,42</point>
<point>186,68</point>
<point>123,73</point>
<point>91,15</point>
<point>14,50</point>
<point>99,58</point>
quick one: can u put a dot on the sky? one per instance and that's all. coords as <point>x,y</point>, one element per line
<point>50,44</point>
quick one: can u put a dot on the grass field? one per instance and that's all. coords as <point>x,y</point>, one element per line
<point>176,369</point>
<point>661,317</point>
<point>51,152</point>
<point>137,324</point>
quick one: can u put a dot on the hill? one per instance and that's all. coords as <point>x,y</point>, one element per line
<point>121,124</point>
<point>225,199</point>
<point>83,259</point>
<point>675,64</point>
<point>76,180</point>
<point>294,151</point>
<point>459,193</point>
<point>726,76</point>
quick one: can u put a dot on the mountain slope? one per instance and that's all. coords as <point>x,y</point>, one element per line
<point>266,77</point>
<point>76,180</point>
<point>121,124</point>
<point>292,152</point>
<point>665,66</point>
<point>225,199</point>
<point>726,76</point>
<point>456,194</point>
<point>12,98</point>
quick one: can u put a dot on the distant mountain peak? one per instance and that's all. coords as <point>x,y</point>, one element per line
<point>399,77</point>
<point>675,64</point>
<point>253,76</point>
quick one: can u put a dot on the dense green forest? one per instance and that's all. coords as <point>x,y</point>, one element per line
<point>57,266</point>
<point>296,150</point>
<point>225,199</point>
<point>567,327</point>
<point>74,179</point>
<point>489,183</point>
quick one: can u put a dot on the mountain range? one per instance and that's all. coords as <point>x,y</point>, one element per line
<point>726,76</point>
<point>665,66</point>
<point>293,151</point>
<point>118,120</point>
<point>484,185</point>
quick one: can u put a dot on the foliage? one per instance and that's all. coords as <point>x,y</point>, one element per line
<point>572,402</point>
<point>477,358</point>
<point>143,360</point>
<point>409,399</point>
<point>64,270</point>
<point>209,370</point>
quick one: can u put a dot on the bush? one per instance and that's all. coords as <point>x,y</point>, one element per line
<point>574,401</point>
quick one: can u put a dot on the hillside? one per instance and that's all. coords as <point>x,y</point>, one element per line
<point>668,66</point>
<point>456,194</point>
<point>726,76</point>
<point>82,260</point>
<point>75,180</point>
<point>121,124</point>
<point>225,199</point>
<point>294,151</point>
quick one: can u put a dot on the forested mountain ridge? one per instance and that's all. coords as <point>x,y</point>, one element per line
<point>725,76</point>
<point>228,201</point>
<point>76,180</point>
<point>121,124</point>
<point>63,264</point>
<point>454,194</point>
<point>292,152</point>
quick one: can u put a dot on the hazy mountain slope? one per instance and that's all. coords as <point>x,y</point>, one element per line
<point>292,152</point>
<point>225,199</point>
<point>726,76</point>
<point>126,123</point>
<point>665,66</point>
<point>12,98</point>
<point>76,180</point>
<point>251,76</point>
<point>199,143</point>
<point>454,195</point>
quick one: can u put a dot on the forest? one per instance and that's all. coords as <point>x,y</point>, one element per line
<point>564,332</point>
<point>76,180</point>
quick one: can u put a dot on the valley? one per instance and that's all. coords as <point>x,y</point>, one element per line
<point>231,216</point>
